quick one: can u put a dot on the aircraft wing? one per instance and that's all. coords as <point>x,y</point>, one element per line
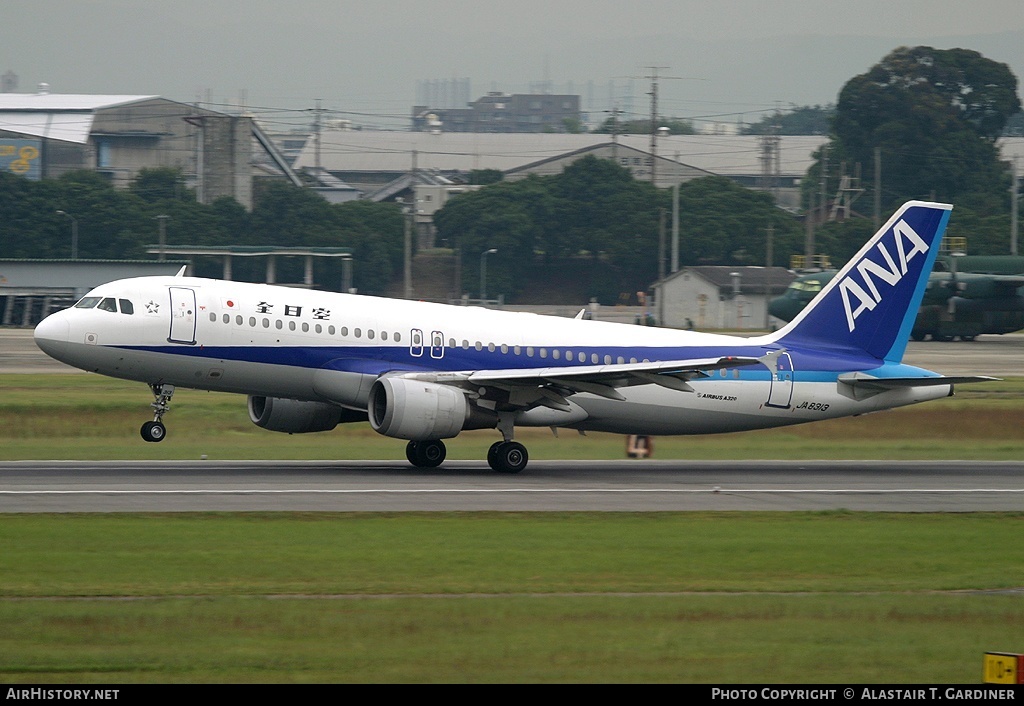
<point>527,387</point>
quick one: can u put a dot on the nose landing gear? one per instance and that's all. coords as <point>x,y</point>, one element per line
<point>155,430</point>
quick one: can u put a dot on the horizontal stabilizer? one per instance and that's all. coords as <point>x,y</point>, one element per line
<point>866,382</point>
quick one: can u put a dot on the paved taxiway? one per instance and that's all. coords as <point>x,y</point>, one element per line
<point>621,486</point>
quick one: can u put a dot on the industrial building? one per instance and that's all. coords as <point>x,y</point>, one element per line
<point>44,135</point>
<point>503,112</point>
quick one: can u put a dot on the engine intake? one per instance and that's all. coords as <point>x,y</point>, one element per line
<point>297,417</point>
<point>409,409</point>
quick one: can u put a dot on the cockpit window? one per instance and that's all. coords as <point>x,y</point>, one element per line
<point>108,304</point>
<point>126,306</point>
<point>87,302</point>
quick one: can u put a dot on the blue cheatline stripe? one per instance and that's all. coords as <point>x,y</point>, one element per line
<point>809,364</point>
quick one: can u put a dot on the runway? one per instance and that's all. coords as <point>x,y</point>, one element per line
<point>616,486</point>
<point>546,486</point>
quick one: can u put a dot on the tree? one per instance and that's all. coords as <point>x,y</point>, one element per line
<point>161,184</point>
<point>595,212</point>
<point>676,126</point>
<point>485,176</point>
<point>805,120</point>
<point>725,224</point>
<point>934,115</point>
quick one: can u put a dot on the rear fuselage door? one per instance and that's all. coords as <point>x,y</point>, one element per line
<point>782,382</point>
<point>183,316</point>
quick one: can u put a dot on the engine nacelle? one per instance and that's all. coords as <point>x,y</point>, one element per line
<point>297,417</point>
<point>409,409</point>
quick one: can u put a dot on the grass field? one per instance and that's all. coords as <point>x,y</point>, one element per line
<point>484,597</point>
<point>89,417</point>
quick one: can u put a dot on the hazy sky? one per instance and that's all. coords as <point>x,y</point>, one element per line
<point>725,58</point>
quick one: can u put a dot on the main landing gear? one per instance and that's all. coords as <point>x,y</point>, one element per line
<point>426,454</point>
<point>507,456</point>
<point>503,456</point>
<point>155,430</point>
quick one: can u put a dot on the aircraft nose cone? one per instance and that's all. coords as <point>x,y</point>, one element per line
<point>52,334</point>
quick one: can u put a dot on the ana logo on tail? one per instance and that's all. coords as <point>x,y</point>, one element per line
<point>862,296</point>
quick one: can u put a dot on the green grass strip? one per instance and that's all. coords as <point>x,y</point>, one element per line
<point>519,597</point>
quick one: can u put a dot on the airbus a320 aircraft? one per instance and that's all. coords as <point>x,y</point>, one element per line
<point>424,372</point>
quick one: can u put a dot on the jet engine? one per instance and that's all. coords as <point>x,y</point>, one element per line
<point>410,409</point>
<point>297,417</point>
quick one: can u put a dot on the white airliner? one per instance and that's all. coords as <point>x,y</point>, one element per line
<point>424,372</point>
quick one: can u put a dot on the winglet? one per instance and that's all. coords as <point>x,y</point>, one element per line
<point>871,305</point>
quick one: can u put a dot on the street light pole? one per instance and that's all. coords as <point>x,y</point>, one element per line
<point>483,272</point>
<point>74,233</point>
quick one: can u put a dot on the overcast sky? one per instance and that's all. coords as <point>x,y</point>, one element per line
<point>722,60</point>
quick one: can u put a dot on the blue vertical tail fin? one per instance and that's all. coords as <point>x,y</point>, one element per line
<point>871,305</point>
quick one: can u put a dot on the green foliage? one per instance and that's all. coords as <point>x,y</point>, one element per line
<point>119,224</point>
<point>1014,126</point>
<point>573,126</point>
<point>804,120</point>
<point>676,126</point>
<point>725,224</point>
<point>595,209</point>
<point>935,115</point>
<point>158,184</point>
<point>483,177</point>
<point>675,597</point>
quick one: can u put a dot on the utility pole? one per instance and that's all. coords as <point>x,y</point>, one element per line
<point>768,257</point>
<point>878,187</point>
<point>163,236</point>
<point>316,131</point>
<point>770,161</point>
<point>653,76</point>
<point>661,243</point>
<point>809,230</point>
<point>615,131</point>
<point>407,211</point>
<point>675,218</point>
<point>1014,197</point>
<point>824,181</point>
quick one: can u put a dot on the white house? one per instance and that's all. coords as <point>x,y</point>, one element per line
<point>719,297</point>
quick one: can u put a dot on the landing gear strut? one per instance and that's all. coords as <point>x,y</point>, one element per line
<point>426,454</point>
<point>155,430</point>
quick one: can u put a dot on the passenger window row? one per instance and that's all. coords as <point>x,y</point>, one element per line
<point>305,327</point>
<point>531,351</point>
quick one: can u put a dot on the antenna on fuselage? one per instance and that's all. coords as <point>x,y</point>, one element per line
<point>181,272</point>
